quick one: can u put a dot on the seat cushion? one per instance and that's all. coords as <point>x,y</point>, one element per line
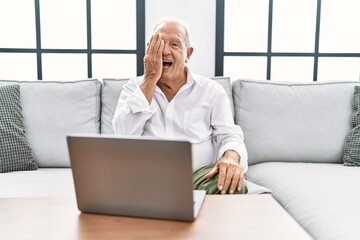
<point>54,109</point>
<point>294,121</point>
<point>45,182</point>
<point>323,198</point>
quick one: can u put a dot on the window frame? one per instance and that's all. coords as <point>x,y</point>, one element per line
<point>220,53</point>
<point>139,51</point>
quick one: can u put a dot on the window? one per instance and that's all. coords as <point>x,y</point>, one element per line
<point>286,40</point>
<point>71,39</point>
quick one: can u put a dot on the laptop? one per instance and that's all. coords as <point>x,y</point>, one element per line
<point>134,176</point>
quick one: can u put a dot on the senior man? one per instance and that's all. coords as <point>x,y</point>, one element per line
<point>170,101</point>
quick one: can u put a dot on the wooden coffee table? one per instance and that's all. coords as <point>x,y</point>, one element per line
<point>221,217</point>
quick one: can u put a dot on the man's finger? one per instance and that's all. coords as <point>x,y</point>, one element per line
<point>213,172</point>
<point>241,181</point>
<point>161,49</point>
<point>148,44</point>
<point>157,44</point>
<point>152,43</point>
<point>228,178</point>
<point>235,181</point>
<point>222,175</point>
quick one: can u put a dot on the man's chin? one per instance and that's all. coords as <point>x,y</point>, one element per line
<point>166,73</point>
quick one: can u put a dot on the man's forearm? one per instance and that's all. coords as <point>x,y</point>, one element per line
<point>131,113</point>
<point>128,123</point>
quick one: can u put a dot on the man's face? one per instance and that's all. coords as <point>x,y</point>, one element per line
<point>175,54</point>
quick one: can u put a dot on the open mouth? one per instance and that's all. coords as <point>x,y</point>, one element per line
<point>167,63</point>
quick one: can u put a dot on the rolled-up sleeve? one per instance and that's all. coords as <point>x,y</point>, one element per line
<point>132,111</point>
<point>227,134</point>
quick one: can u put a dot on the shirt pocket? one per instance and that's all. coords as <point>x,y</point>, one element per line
<point>197,123</point>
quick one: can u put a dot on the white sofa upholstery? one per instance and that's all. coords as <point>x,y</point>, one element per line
<point>297,122</point>
<point>52,109</point>
<point>295,135</point>
<point>322,197</point>
<point>44,182</point>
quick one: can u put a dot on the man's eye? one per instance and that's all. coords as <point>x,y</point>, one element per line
<point>175,44</point>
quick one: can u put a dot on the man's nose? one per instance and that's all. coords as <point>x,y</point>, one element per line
<point>166,49</point>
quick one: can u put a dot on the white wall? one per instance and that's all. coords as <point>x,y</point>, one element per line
<point>200,15</point>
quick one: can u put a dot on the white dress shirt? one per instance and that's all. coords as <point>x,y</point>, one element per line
<point>200,113</point>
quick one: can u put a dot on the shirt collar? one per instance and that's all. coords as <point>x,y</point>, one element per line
<point>191,78</point>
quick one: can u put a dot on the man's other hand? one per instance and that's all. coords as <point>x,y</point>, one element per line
<point>231,174</point>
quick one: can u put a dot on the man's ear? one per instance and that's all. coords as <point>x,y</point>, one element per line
<point>189,51</point>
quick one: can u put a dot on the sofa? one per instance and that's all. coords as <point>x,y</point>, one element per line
<point>294,132</point>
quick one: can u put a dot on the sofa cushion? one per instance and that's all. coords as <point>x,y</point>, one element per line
<point>352,143</point>
<point>15,151</point>
<point>111,92</point>
<point>323,198</point>
<point>226,84</point>
<point>297,122</point>
<point>54,109</point>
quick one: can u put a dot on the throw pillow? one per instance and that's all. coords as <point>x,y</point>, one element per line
<point>15,151</point>
<point>352,143</point>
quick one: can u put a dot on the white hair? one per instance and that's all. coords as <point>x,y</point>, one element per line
<point>180,23</point>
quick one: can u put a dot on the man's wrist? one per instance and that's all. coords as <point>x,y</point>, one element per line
<point>232,154</point>
<point>148,88</point>
<point>150,79</point>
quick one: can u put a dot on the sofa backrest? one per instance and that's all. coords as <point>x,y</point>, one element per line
<point>298,122</point>
<point>226,84</point>
<point>53,109</point>
<point>294,122</point>
<point>111,91</point>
